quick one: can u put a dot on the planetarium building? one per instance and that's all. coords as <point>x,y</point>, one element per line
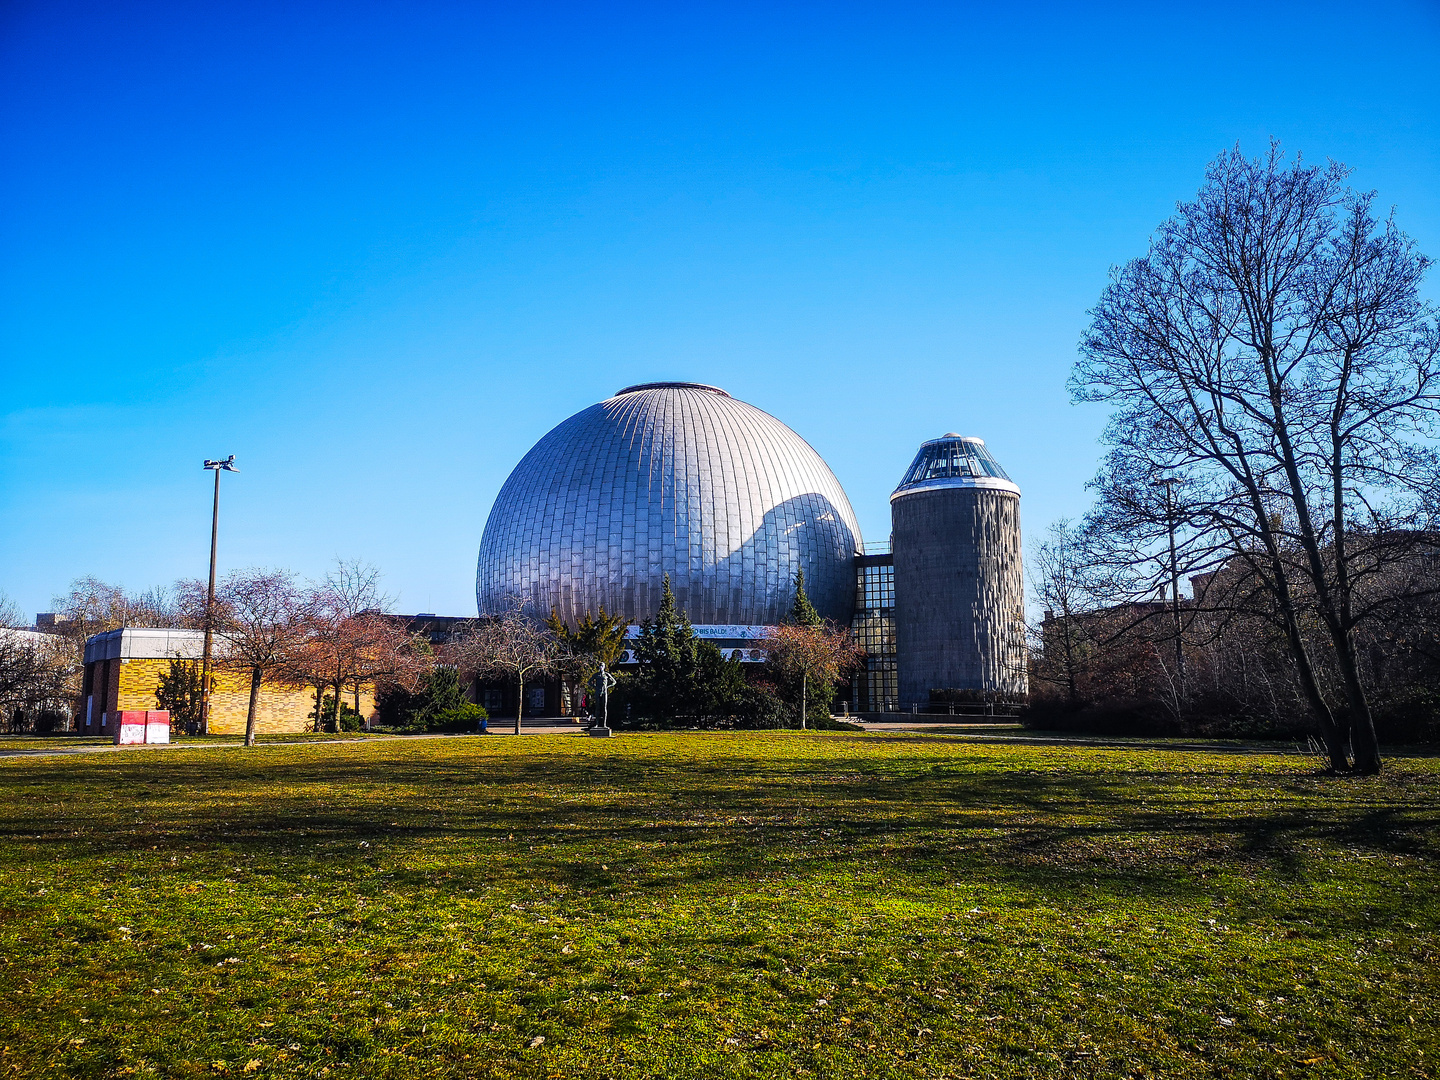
<point>682,479</point>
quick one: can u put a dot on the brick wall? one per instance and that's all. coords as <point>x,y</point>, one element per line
<point>281,710</point>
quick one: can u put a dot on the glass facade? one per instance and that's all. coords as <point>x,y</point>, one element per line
<point>877,687</point>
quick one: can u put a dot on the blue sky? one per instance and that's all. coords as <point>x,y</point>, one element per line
<point>377,250</point>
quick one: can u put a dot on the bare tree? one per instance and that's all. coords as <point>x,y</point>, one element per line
<point>373,648</point>
<point>384,655</point>
<point>350,642</point>
<point>92,606</point>
<point>1060,586</point>
<point>262,621</point>
<point>37,676</point>
<point>1273,373</point>
<point>509,645</point>
<point>10,616</point>
<point>808,654</point>
<point>39,673</point>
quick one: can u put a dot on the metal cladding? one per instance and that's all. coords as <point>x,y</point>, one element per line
<point>670,478</point>
<point>959,586</point>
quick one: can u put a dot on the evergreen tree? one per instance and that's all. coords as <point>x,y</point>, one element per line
<point>680,677</point>
<point>666,651</point>
<point>599,637</point>
<point>179,693</point>
<point>441,690</point>
<point>803,613</point>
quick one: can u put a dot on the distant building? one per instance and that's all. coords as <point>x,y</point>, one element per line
<point>124,670</point>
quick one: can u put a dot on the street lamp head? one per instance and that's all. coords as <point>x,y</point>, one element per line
<point>228,464</point>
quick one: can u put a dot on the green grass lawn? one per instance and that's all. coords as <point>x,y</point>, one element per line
<point>716,905</point>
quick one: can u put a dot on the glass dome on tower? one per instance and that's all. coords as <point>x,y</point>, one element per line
<point>954,461</point>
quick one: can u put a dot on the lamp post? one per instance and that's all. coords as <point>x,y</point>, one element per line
<point>1168,484</point>
<point>227,465</point>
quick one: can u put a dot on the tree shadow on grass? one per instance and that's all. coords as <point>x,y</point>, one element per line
<point>705,821</point>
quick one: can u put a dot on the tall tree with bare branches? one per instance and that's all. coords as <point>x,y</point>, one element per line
<point>351,641</point>
<point>263,622</point>
<point>809,656</point>
<point>509,645</point>
<point>1060,585</point>
<point>1273,373</point>
<point>37,673</point>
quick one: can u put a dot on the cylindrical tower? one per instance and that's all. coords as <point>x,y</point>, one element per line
<point>959,585</point>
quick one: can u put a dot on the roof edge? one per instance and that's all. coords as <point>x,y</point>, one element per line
<point>982,483</point>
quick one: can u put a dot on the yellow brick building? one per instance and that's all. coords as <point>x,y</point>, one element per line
<point>124,669</point>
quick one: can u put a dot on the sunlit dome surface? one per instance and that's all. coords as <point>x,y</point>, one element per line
<point>954,461</point>
<point>675,478</point>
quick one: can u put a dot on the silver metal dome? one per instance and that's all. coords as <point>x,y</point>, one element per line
<point>675,478</point>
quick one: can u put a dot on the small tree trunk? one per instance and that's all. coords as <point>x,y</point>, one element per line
<point>357,697</point>
<point>255,675</point>
<point>1363,743</point>
<point>1330,732</point>
<point>319,707</point>
<point>520,704</point>
<point>804,688</point>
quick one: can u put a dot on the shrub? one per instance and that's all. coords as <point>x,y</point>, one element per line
<point>441,691</point>
<point>458,718</point>
<point>829,723</point>
<point>350,720</point>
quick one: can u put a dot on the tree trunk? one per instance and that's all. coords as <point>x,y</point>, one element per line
<point>319,707</point>
<point>1329,730</point>
<point>804,687</point>
<point>1279,587</point>
<point>255,675</point>
<point>519,704</point>
<point>357,697</point>
<point>1363,742</point>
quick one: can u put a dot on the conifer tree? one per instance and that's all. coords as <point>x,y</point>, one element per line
<point>803,613</point>
<point>679,675</point>
<point>666,648</point>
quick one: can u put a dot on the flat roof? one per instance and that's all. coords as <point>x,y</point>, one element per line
<point>145,643</point>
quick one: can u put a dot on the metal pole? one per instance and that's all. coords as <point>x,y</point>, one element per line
<point>1168,484</point>
<point>209,612</point>
<point>228,465</point>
